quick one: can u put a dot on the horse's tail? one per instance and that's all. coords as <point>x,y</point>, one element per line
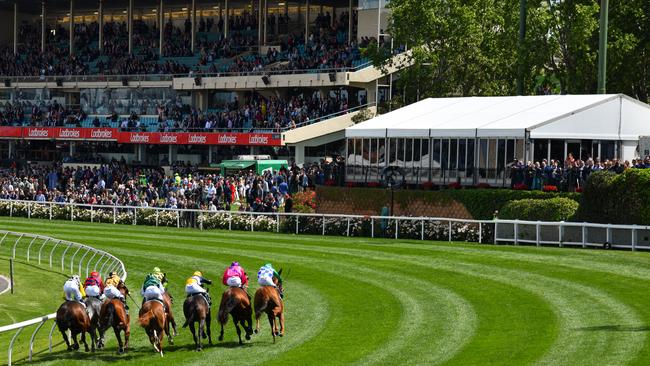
<point>261,303</point>
<point>189,319</point>
<point>145,319</point>
<point>227,305</point>
<point>106,318</point>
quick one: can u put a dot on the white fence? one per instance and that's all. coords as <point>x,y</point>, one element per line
<point>57,254</point>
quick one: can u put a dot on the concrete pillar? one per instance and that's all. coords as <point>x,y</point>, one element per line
<point>259,23</point>
<point>193,19</point>
<point>173,149</point>
<point>209,154</point>
<point>43,28</point>
<point>266,15</point>
<point>100,16</point>
<point>15,28</point>
<point>129,15</point>
<point>161,17</point>
<point>72,148</point>
<point>350,25</point>
<point>226,23</point>
<point>299,156</point>
<point>12,148</point>
<point>71,27</point>
<point>306,20</point>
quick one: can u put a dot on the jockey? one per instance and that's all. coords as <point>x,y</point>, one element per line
<point>111,292</point>
<point>235,276</point>
<point>73,290</point>
<point>194,285</point>
<point>265,277</point>
<point>94,286</point>
<point>152,288</point>
<point>159,275</point>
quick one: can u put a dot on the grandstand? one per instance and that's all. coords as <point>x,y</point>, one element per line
<point>194,81</point>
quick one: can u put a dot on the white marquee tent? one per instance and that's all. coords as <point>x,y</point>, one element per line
<point>604,117</point>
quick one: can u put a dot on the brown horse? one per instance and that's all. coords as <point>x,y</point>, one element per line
<point>197,309</point>
<point>72,316</point>
<point>153,319</point>
<point>113,314</point>
<point>235,301</point>
<point>268,300</point>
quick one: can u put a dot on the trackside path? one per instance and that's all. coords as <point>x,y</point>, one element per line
<point>382,302</point>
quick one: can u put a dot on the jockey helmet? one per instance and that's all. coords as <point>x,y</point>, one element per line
<point>156,270</point>
<point>198,273</point>
<point>234,264</point>
<point>94,274</point>
<point>75,277</point>
<point>268,265</point>
<point>112,274</point>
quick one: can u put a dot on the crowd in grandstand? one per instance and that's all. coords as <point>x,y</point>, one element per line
<point>120,184</point>
<point>326,47</point>
<point>568,175</point>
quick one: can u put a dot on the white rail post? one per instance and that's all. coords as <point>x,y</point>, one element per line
<point>40,250</point>
<point>277,222</point>
<point>72,259</point>
<point>560,233</point>
<point>584,236</point>
<point>396,228</point>
<point>157,216</point>
<point>50,337</point>
<point>537,234</point>
<point>29,210</point>
<point>178,219</point>
<point>114,215</point>
<point>29,247</point>
<point>13,251</point>
<point>450,230</point>
<point>82,259</point>
<point>52,251</point>
<point>422,231</point>
<point>92,214</point>
<point>323,217</point>
<point>31,340</point>
<point>634,238</point>
<point>63,256</point>
<point>496,227</point>
<point>252,222</point>
<point>609,234</point>
<point>50,211</point>
<point>297,219</point>
<point>201,221</point>
<point>372,227</point>
<point>11,209</point>
<point>72,213</point>
<point>480,232</point>
<point>229,221</point>
<point>347,230</point>
<point>89,262</point>
<point>11,345</point>
<point>135,216</point>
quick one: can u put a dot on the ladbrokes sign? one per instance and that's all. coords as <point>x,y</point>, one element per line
<point>165,138</point>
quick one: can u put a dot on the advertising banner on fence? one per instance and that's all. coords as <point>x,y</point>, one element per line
<point>165,138</point>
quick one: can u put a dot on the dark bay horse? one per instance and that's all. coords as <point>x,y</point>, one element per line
<point>153,319</point>
<point>197,309</point>
<point>72,316</point>
<point>268,300</point>
<point>113,314</point>
<point>94,308</point>
<point>235,302</point>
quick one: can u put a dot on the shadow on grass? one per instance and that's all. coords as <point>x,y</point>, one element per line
<point>232,344</point>
<point>615,328</point>
<point>108,354</point>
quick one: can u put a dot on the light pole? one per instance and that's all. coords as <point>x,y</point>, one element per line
<point>602,47</point>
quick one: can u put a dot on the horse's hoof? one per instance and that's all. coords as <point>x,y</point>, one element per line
<point>256,331</point>
<point>281,334</point>
<point>199,349</point>
<point>69,348</point>
<point>204,336</point>
<point>75,347</point>
<point>248,337</point>
<point>120,351</point>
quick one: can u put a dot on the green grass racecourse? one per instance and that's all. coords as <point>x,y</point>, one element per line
<point>376,301</point>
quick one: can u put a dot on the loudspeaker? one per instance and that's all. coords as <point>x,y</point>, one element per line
<point>332,77</point>
<point>266,80</point>
<point>125,82</point>
<point>197,81</point>
<point>59,82</point>
<point>7,83</point>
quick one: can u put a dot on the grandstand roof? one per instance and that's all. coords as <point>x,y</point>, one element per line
<point>605,116</point>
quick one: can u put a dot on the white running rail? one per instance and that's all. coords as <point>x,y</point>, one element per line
<point>55,253</point>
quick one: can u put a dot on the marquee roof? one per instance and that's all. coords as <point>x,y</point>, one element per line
<point>602,116</point>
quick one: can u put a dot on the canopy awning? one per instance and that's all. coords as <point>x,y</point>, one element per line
<point>236,164</point>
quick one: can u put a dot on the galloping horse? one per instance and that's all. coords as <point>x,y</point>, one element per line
<point>268,300</point>
<point>168,301</point>
<point>197,309</point>
<point>94,308</point>
<point>235,301</point>
<point>113,314</point>
<point>72,316</point>
<point>153,319</point>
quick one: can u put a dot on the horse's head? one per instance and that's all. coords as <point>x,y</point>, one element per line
<point>164,279</point>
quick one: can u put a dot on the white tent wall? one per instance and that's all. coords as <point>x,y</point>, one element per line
<point>635,117</point>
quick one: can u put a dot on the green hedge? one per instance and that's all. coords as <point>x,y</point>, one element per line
<point>553,209</point>
<point>616,199</point>
<point>481,203</point>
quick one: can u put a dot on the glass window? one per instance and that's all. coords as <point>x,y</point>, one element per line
<point>365,159</point>
<point>462,150</point>
<point>492,158</point>
<point>444,158</point>
<point>453,154</point>
<point>540,150</point>
<point>350,162</point>
<point>483,157</point>
<point>501,157</point>
<point>557,150</point>
<point>435,154</point>
<point>400,152</point>
<point>424,173</point>
<point>392,152</point>
<point>417,162</point>
<point>607,150</point>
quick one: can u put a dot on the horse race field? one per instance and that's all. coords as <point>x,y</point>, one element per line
<point>375,301</point>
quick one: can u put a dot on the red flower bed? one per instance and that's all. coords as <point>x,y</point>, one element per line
<point>482,185</point>
<point>520,187</point>
<point>455,185</point>
<point>579,190</point>
<point>372,184</point>
<point>549,188</point>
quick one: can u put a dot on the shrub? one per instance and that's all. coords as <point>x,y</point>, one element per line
<point>616,199</point>
<point>553,209</point>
